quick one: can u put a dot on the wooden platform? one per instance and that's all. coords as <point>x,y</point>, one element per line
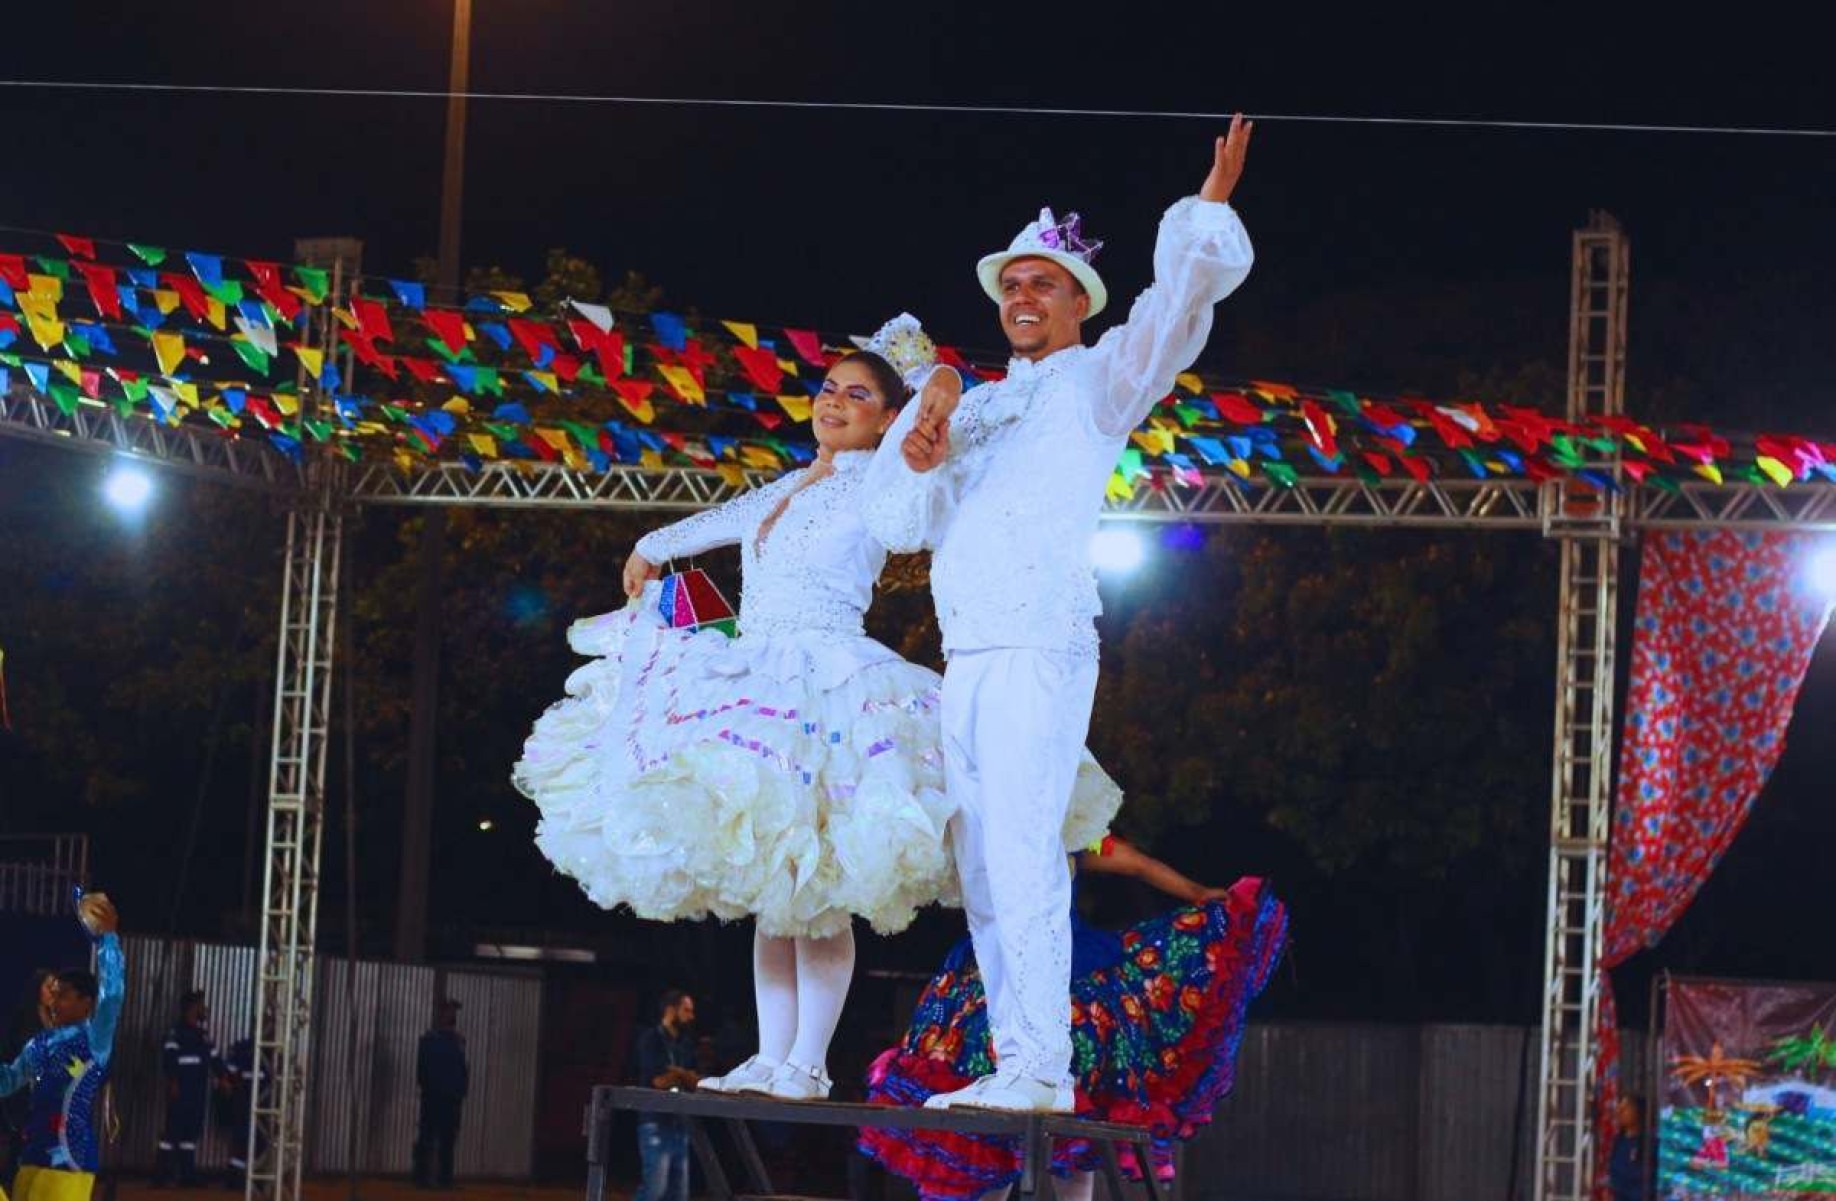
<point>1034,1132</point>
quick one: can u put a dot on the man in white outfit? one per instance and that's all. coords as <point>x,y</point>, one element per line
<point>1006,490</point>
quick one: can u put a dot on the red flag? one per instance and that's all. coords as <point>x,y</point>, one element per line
<point>1415,467</point>
<point>447,325</point>
<point>697,358</point>
<point>372,319</point>
<point>190,291</point>
<point>761,367</point>
<point>566,366</point>
<point>425,370</point>
<point>269,286</point>
<point>532,336</point>
<point>1445,427</point>
<point>76,245</point>
<point>1379,463</point>
<point>100,281</point>
<point>1319,428</point>
<point>13,271</point>
<point>1236,407</point>
<point>809,346</point>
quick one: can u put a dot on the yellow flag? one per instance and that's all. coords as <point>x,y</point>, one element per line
<point>1239,467</point>
<point>166,300</point>
<point>798,407</point>
<point>1775,471</point>
<point>346,318</point>
<point>459,406</point>
<point>46,333</point>
<point>546,380</point>
<point>683,381</point>
<point>731,474</point>
<point>516,302</point>
<point>170,350</point>
<point>1154,441</point>
<point>1190,381</point>
<point>484,444</point>
<point>1120,487</point>
<point>287,403</point>
<point>650,460</point>
<point>215,313</point>
<point>311,358</point>
<point>1709,472</point>
<point>69,370</point>
<point>554,437</point>
<point>404,462</point>
<point>745,331</point>
<point>45,287</point>
<point>186,392</point>
<point>759,456</point>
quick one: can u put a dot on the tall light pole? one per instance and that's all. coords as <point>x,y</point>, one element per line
<point>417,811</point>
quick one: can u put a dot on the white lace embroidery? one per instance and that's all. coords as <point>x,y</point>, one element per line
<point>815,568</point>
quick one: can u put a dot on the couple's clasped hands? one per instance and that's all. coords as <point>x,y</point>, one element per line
<point>928,443</point>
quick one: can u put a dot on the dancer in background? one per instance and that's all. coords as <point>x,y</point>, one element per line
<point>66,1067</point>
<point>1156,1014</point>
<point>791,774</point>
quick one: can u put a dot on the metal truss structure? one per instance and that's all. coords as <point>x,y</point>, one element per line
<point>95,427</point>
<point>1590,527</point>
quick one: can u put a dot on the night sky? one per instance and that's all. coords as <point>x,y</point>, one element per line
<point>1390,258</point>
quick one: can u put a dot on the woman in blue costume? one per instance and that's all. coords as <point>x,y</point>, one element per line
<point>791,774</point>
<point>1156,1016</point>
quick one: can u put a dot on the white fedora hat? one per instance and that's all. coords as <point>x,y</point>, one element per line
<point>1049,238</point>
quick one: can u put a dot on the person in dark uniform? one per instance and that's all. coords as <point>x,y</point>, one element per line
<point>188,1062</point>
<point>1626,1167</point>
<point>665,1053</point>
<point>237,1108</point>
<point>441,1073</point>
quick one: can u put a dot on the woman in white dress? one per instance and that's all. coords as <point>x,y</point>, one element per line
<point>791,773</point>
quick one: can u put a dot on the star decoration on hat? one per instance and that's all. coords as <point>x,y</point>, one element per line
<point>1066,235</point>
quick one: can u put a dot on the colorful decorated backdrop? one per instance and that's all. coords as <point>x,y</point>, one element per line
<point>1747,1102</point>
<point>1725,628</point>
<point>190,336</point>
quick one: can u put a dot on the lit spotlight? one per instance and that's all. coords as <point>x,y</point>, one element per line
<point>1116,550</point>
<point>1821,570</point>
<point>487,825</point>
<point>128,487</point>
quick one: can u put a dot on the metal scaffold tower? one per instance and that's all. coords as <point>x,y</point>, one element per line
<point>1588,524</point>
<point>296,793</point>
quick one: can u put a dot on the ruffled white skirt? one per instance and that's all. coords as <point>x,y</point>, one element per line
<point>793,777</point>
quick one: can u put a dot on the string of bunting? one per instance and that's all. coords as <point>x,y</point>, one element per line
<point>495,379</point>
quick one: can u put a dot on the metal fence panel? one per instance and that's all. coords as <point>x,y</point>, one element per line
<point>393,1006</point>
<point>1379,1113</point>
<point>501,1019</point>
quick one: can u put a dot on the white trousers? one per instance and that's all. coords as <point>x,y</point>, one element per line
<point>1014,724</point>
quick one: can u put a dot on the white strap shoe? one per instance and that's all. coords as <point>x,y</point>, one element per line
<point>1010,1092</point>
<point>798,1082</point>
<point>747,1077</point>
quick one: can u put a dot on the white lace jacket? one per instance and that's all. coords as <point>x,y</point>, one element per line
<point>813,570</point>
<point>1009,516</point>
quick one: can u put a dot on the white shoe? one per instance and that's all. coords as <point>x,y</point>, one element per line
<point>1012,1092</point>
<point>747,1077</point>
<point>796,1082</point>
